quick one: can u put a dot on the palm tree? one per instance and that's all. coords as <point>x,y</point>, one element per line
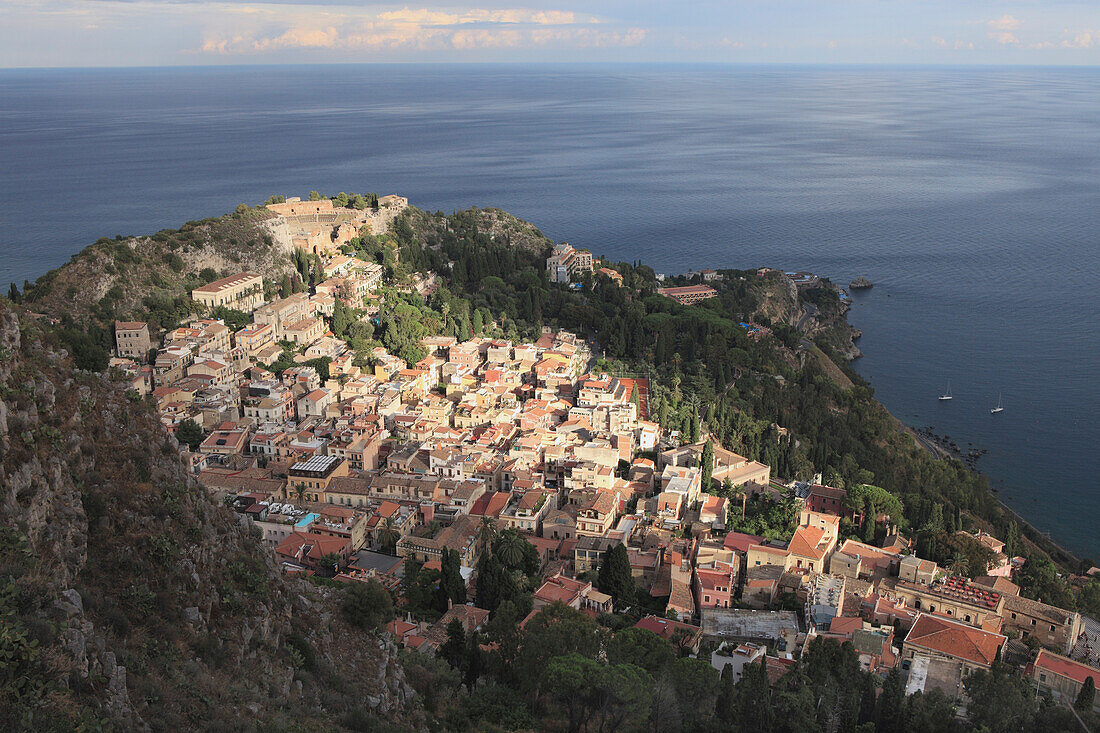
<point>790,505</point>
<point>388,535</point>
<point>740,491</point>
<point>510,548</point>
<point>299,492</point>
<point>960,565</point>
<point>488,528</point>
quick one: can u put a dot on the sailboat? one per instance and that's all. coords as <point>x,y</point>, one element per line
<point>999,408</point>
<point>946,395</point>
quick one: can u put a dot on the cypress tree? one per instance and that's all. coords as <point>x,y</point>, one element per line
<point>615,578</point>
<point>707,464</point>
<point>1086,697</point>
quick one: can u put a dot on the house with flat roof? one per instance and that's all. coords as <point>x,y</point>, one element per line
<point>243,292</point>
<point>311,478</point>
<point>689,294</point>
<point>132,340</point>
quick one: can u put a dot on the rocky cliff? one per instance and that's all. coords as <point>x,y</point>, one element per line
<point>129,599</point>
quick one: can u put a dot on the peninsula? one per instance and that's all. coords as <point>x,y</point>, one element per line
<point>341,463</point>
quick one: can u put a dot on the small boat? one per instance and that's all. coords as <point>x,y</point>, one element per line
<point>947,395</point>
<point>999,408</point>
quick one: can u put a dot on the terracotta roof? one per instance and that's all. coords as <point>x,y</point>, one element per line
<point>1065,667</point>
<point>665,628</point>
<point>955,639</point>
<point>807,542</point>
<point>741,542</point>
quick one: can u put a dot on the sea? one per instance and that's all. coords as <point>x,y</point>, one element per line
<point>969,196</point>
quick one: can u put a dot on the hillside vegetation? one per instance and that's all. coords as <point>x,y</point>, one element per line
<point>129,600</point>
<point>150,277</point>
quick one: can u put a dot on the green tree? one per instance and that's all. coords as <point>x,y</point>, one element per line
<point>572,681</point>
<point>706,462</point>
<point>329,564</point>
<point>622,696</point>
<point>451,585</point>
<point>753,706</point>
<point>641,648</point>
<point>388,535</point>
<point>615,578</point>
<point>1000,699</point>
<point>509,548</point>
<point>890,702</point>
<point>189,433</point>
<point>367,605</point>
<point>1086,697</point>
<point>556,630</point>
<point>454,648</point>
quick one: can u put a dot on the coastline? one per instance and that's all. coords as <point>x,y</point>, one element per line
<point>936,445</point>
<point>833,331</point>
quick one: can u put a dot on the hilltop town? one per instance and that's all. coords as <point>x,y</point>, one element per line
<point>470,483</point>
<point>359,468</point>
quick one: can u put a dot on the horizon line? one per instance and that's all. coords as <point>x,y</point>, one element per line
<point>314,64</point>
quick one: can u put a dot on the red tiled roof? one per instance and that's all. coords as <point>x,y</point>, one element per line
<point>806,541</point>
<point>741,542</point>
<point>665,628</point>
<point>955,639</point>
<point>1064,667</point>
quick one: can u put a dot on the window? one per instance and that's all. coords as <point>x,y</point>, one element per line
<point>1052,628</point>
<point>968,617</point>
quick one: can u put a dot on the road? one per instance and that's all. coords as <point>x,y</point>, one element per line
<point>809,310</point>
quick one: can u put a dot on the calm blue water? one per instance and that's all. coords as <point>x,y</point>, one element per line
<point>970,197</point>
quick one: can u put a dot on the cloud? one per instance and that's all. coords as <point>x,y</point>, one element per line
<point>1082,39</point>
<point>1004,23</point>
<point>1005,38</point>
<point>420,29</point>
<point>958,45</point>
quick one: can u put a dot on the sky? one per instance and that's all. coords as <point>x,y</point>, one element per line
<point>88,33</point>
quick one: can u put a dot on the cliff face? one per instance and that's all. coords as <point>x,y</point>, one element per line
<point>128,597</point>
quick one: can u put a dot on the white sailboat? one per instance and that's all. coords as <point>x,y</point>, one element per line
<point>946,395</point>
<point>1000,406</point>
